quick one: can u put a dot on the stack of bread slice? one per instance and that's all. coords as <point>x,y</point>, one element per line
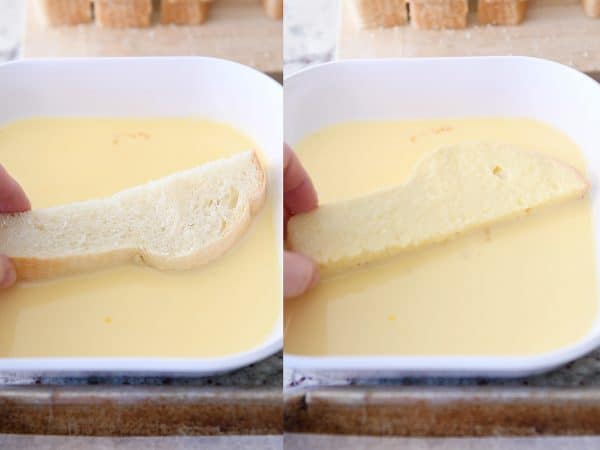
<point>184,12</point>
<point>65,12</point>
<point>134,13</point>
<point>501,12</point>
<point>123,13</point>
<point>379,13</point>
<point>273,8</point>
<point>436,14</point>
<point>592,7</point>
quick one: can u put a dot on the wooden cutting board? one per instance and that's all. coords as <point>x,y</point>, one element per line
<point>553,29</point>
<point>236,29</point>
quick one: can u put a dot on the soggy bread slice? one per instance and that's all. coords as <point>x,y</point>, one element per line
<point>178,222</point>
<point>501,12</point>
<point>123,13</point>
<point>184,12</point>
<point>438,14</point>
<point>273,8</point>
<point>64,12</point>
<point>452,190</point>
<point>591,7</point>
<point>379,13</point>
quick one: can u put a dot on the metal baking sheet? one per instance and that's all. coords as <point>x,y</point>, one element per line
<point>463,411</point>
<point>140,410</point>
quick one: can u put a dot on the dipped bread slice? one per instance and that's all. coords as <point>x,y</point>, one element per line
<point>452,190</point>
<point>177,222</point>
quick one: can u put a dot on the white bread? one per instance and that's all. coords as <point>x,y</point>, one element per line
<point>452,190</point>
<point>273,8</point>
<point>123,13</point>
<point>438,14</point>
<point>184,12</point>
<point>178,222</point>
<point>501,12</point>
<point>591,7</point>
<point>379,13</point>
<point>64,12</point>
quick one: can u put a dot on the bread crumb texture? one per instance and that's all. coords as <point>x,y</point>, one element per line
<point>452,190</point>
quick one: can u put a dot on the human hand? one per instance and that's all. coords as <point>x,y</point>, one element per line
<point>299,272</point>
<point>12,200</point>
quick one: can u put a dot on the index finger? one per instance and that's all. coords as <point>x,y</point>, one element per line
<point>299,194</point>
<point>12,196</point>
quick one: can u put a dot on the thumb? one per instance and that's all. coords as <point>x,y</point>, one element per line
<point>8,274</point>
<point>299,274</point>
<point>12,196</point>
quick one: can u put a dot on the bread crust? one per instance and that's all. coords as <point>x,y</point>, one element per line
<point>501,12</point>
<point>184,12</point>
<point>34,268</point>
<point>379,13</point>
<point>65,12</point>
<point>123,13</point>
<point>438,14</point>
<point>273,8</point>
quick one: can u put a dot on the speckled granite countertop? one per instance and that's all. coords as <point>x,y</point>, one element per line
<point>309,33</point>
<point>582,372</point>
<point>10,442</point>
<point>11,28</point>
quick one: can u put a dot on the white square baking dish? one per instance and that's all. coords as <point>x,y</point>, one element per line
<point>441,88</point>
<point>210,88</point>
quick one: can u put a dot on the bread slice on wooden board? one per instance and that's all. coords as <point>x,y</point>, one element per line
<point>273,8</point>
<point>452,190</point>
<point>438,14</point>
<point>64,12</point>
<point>123,13</point>
<point>591,7</point>
<point>379,13</point>
<point>184,12</point>
<point>178,222</point>
<point>501,12</point>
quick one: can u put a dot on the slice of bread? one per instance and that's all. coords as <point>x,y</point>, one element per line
<point>452,190</point>
<point>273,8</point>
<point>123,13</point>
<point>379,13</point>
<point>501,12</point>
<point>64,12</point>
<point>178,222</point>
<point>591,7</point>
<point>438,14</point>
<point>184,12</point>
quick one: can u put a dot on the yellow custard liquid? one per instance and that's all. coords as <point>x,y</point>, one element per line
<point>517,288</point>
<point>228,306</point>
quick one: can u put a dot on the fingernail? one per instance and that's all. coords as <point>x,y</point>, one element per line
<point>315,279</point>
